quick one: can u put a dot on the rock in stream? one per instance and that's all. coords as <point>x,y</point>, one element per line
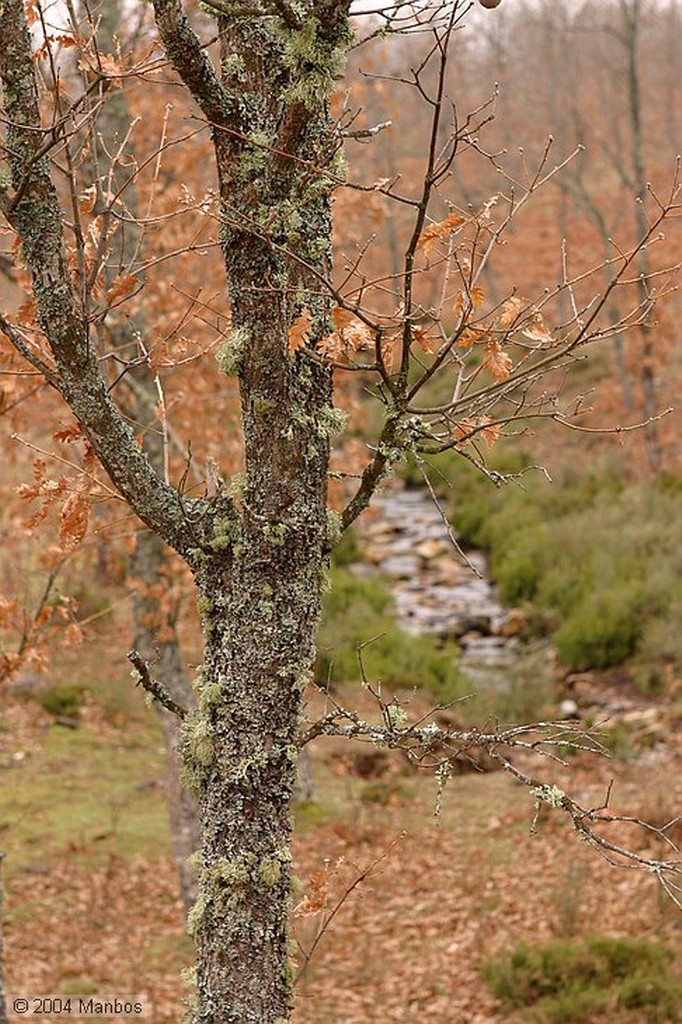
<point>437,589</point>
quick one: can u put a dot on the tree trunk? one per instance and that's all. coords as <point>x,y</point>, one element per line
<point>261,602</point>
<point>257,557</point>
<point>632,16</point>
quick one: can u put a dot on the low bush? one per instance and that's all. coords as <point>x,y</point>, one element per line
<point>597,558</point>
<point>62,701</point>
<point>566,981</point>
<point>602,630</point>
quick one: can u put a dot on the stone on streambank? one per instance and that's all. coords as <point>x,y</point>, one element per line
<point>437,589</point>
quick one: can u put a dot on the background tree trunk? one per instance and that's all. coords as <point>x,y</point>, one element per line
<point>163,653</point>
<point>155,628</point>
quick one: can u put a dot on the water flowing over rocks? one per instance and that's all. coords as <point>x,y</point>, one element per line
<point>437,589</point>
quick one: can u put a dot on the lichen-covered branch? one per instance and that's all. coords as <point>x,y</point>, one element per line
<point>157,689</point>
<point>192,63</point>
<point>430,747</point>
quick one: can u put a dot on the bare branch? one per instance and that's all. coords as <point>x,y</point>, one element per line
<point>153,686</point>
<point>192,63</point>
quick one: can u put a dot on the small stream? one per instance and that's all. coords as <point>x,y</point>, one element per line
<point>436,591</point>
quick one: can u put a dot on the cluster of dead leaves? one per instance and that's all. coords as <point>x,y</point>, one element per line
<point>36,633</point>
<point>319,889</point>
<point>350,334</point>
<point>70,493</point>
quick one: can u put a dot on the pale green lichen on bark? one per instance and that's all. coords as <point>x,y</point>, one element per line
<point>197,748</point>
<point>396,715</point>
<point>271,865</point>
<point>276,533</point>
<point>210,695</point>
<point>331,421</point>
<point>315,57</point>
<point>231,352</point>
<point>197,913</point>
<point>550,795</point>
<point>254,158</point>
<point>226,533</point>
<point>334,528</point>
<point>233,65</point>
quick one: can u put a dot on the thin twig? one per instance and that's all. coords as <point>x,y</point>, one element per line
<point>158,691</point>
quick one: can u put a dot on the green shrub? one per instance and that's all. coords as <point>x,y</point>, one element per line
<point>597,558</point>
<point>566,981</point>
<point>659,997</point>
<point>62,701</point>
<point>602,631</point>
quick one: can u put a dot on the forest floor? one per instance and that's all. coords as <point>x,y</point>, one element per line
<point>92,906</point>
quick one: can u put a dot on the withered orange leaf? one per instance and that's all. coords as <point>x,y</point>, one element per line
<point>354,333</point>
<point>299,332</point>
<point>434,232</point>
<point>471,336</point>
<point>496,361</point>
<point>120,287</point>
<point>73,520</point>
<point>69,434</point>
<point>511,310</point>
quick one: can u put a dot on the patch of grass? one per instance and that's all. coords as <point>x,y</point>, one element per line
<point>86,795</point>
<point>567,981</point>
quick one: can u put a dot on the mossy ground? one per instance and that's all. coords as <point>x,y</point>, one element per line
<point>84,794</point>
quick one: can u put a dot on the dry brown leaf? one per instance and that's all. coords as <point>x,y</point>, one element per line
<point>511,311</point>
<point>69,434</point>
<point>353,331</point>
<point>538,330</point>
<point>120,287</point>
<point>73,520</point>
<point>299,332</point>
<point>435,232</point>
<point>317,897</point>
<point>471,336</point>
<point>496,361</point>
<point>32,12</point>
<point>73,635</point>
<point>7,610</point>
<point>421,336</point>
<point>489,430</point>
